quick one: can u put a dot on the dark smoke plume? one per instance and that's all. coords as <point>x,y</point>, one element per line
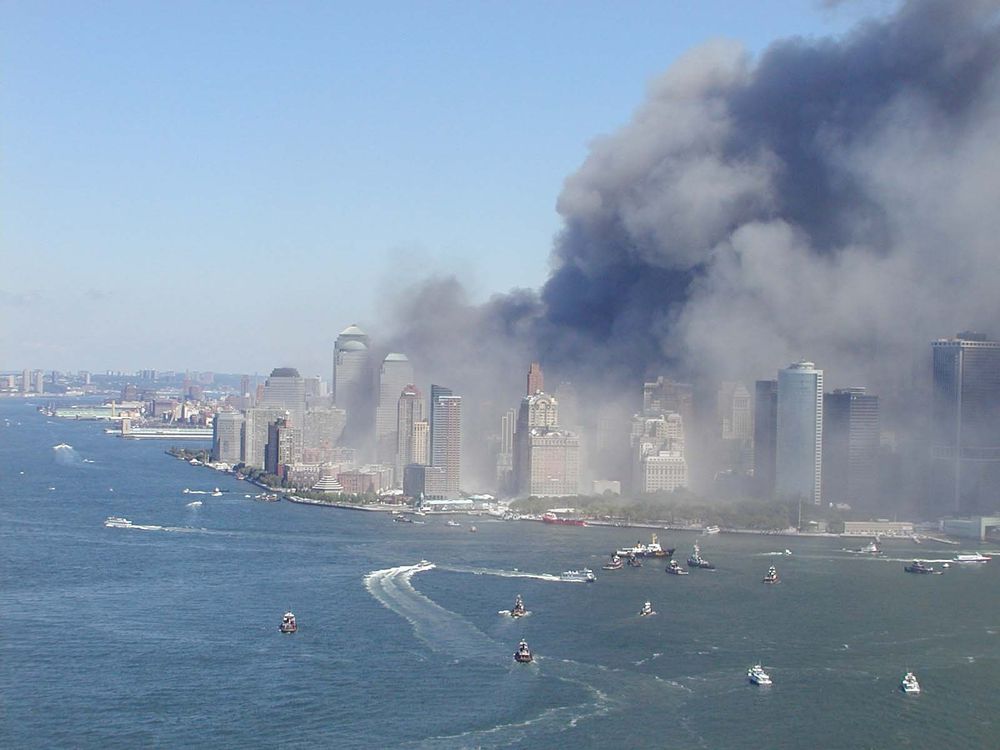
<point>834,199</point>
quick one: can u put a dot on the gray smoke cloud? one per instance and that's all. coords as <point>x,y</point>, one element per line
<point>833,199</point>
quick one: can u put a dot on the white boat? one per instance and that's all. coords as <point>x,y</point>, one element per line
<point>288,624</point>
<point>909,683</point>
<point>975,558</point>
<point>117,522</point>
<point>518,610</point>
<point>653,549</point>
<point>647,610</point>
<point>711,530</point>
<point>674,569</point>
<point>62,447</point>
<point>871,549</point>
<point>585,576</point>
<point>216,492</point>
<point>771,576</point>
<point>757,676</point>
<point>449,522</point>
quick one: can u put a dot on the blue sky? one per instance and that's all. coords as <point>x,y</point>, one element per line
<point>224,186</point>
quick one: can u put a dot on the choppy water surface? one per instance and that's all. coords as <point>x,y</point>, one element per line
<point>167,636</point>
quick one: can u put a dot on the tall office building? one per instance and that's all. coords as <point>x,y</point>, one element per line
<point>536,380</point>
<point>421,442</point>
<point>350,364</point>
<point>246,397</point>
<point>395,374</point>
<point>26,381</point>
<point>663,395</point>
<point>227,437</point>
<point>255,434</point>
<point>446,437</point>
<point>546,458</point>
<point>799,443</point>
<point>505,452</point>
<point>966,423</point>
<point>658,462</point>
<point>409,412</point>
<point>321,431</point>
<point>285,389</point>
<point>765,435</point>
<point>851,432</point>
<point>284,446</point>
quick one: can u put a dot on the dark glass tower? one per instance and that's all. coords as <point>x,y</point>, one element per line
<point>965,430</point>
<point>765,435</point>
<point>851,430</point>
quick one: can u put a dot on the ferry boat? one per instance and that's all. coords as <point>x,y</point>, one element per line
<point>975,558</point>
<point>586,575</point>
<point>697,561</point>
<point>909,683</point>
<point>117,522</point>
<point>647,610</point>
<point>711,530</point>
<point>675,569</point>
<point>757,676</point>
<point>653,549</point>
<point>551,517</point>
<point>523,653</point>
<point>771,576</point>
<point>518,609</point>
<point>918,567</point>
<point>288,623</point>
<point>615,563</point>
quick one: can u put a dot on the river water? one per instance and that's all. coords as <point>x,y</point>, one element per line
<point>167,637</point>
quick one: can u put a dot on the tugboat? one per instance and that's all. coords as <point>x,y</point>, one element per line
<point>918,567</point>
<point>647,610</point>
<point>757,676</point>
<point>771,576</point>
<point>615,563</point>
<point>909,683</point>
<point>697,561</point>
<point>523,653</point>
<point>288,623</point>
<point>675,569</point>
<point>518,609</point>
<point>633,562</point>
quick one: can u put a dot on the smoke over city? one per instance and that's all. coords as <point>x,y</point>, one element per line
<point>833,199</point>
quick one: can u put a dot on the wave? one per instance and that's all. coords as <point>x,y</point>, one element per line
<point>194,504</point>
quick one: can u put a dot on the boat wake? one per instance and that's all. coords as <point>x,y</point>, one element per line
<point>194,504</point>
<point>505,573</point>
<point>447,632</point>
<point>440,629</point>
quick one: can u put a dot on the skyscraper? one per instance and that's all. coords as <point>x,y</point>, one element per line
<point>966,422</point>
<point>850,446</point>
<point>350,366</point>
<point>446,437</point>
<point>765,435</point>
<point>395,374</point>
<point>536,380</point>
<point>285,390</point>
<point>546,459</point>
<point>410,411</point>
<point>227,437</point>
<point>799,443</point>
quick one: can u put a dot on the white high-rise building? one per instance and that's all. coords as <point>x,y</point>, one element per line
<point>799,444</point>
<point>395,374</point>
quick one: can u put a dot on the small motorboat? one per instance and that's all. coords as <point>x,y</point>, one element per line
<point>771,576</point>
<point>523,653</point>
<point>647,610</point>
<point>473,529</point>
<point>757,676</point>
<point>288,623</point>
<point>909,683</point>
<point>449,522</point>
<point>674,569</point>
<point>216,492</point>
<point>918,567</point>
<point>615,563</point>
<point>633,562</point>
